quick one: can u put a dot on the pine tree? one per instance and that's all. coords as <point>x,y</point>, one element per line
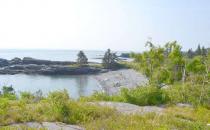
<point>190,53</point>
<point>8,90</point>
<point>82,59</point>
<point>198,51</point>
<point>203,52</point>
<point>109,59</point>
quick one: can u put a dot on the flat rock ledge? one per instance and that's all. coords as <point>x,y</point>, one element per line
<point>113,81</point>
<point>46,126</point>
<point>127,109</point>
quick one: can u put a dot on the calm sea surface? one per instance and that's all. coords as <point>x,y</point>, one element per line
<point>58,55</point>
<point>82,85</point>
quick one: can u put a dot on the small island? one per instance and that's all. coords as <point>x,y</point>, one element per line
<point>29,65</point>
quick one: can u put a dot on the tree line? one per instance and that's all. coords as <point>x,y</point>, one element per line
<point>198,52</point>
<point>169,64</point>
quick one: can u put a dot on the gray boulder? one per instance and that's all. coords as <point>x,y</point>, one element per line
<point>15,61</point>
<point>65,70</point>
<point>46,125</point>
<point>3,62</point>
<point>29,60</point>
<point>128,109</point>
<point>34,67</point>
<point>15,67</point>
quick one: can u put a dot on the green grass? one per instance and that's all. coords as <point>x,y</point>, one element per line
<point>96,65</point>
<point>152,121</point>
<point>140,96</point>
<point>58,107</point>
<point>196,95</point>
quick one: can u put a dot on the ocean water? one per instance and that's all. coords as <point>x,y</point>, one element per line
<point>58,55</point>
<point>76,85</point>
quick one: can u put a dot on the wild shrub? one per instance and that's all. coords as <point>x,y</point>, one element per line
<point>194,94</point>
<point>140,96</point>
<point>85,112</point>
<point>187,119</point>
<point>31,97</point>
<point>145,96</point>
<point>59,103</point>
<point>8,92</point>
<point>26,96</point>
<point>4,105</point>
<point>100,96</point>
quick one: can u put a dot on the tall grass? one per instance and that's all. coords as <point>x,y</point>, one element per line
<point>57,106</point>
<point>153,95</point>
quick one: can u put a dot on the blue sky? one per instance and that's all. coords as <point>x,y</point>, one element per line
<point>102,24</point>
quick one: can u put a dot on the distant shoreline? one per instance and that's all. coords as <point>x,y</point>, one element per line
<point>29,65</point>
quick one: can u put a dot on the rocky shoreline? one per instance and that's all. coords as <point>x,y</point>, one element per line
<point>29,65</point>
<point>112,81</point>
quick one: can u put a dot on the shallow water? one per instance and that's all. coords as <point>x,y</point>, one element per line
<point>79,85</point>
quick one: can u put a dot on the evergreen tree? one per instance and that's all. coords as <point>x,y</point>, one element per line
<point>190,53</point>
<point>198,50</point>
<point>203,52</point>
<point>8,90</point>
<point>82,59</point>
<point>196,65</point>
<point>109,59</point>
